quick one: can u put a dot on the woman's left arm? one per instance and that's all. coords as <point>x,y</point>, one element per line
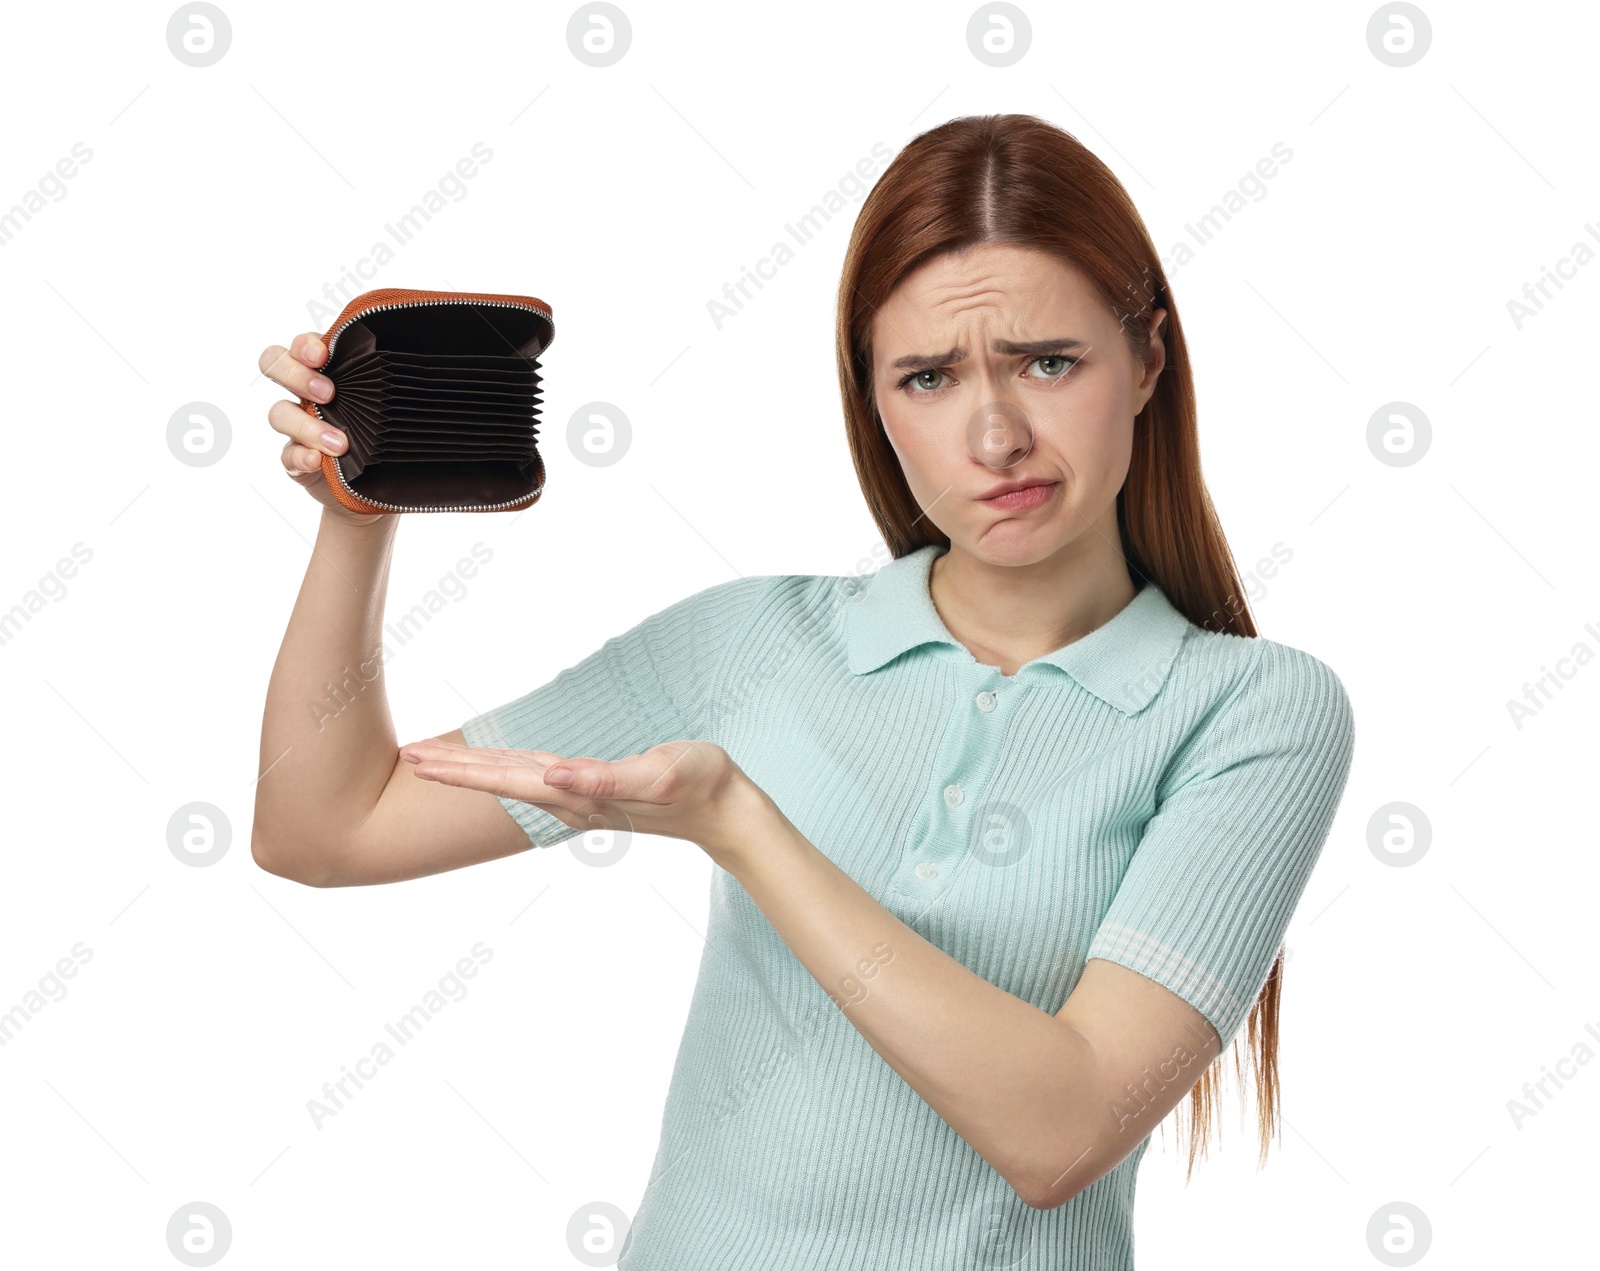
<point>1052,1102</point>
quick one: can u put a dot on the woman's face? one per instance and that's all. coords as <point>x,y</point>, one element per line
<point>1003,365</point>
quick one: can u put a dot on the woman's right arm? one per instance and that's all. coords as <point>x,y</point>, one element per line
<point>334,804</point>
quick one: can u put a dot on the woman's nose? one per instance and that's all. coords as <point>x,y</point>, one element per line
<point>999,434</point>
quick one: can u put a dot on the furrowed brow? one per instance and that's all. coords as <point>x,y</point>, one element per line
<point>1037,348</point>
<point>928,361</point>
<point>1007,348</point>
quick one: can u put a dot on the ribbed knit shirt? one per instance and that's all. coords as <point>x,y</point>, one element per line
<point>1153,793</point>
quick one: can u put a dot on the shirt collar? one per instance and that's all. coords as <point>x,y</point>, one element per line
<point>1124,661</point>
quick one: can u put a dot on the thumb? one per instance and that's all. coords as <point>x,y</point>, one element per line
<point>581,776</point>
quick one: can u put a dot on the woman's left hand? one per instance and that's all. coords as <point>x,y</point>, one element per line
<point>680,789</point>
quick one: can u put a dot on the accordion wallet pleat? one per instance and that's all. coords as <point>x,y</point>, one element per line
<point>438,395</point>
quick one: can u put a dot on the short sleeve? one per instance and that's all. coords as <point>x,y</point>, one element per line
<point>649,685</point>
<point>1208,894</point>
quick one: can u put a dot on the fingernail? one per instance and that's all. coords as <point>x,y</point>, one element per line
<point>333,440</point>
<point>560,777</point>
<point>321,386</point>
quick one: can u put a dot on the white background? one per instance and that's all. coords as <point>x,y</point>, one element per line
<point>218,202</point>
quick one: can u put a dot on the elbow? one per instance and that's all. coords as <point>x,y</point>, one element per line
<point>1037,1194</point>
<point>1040,1196</point>
<point>1049,1184</point>
<point>273,862</point>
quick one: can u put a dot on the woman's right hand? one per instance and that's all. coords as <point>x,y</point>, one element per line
<point>295,368</point>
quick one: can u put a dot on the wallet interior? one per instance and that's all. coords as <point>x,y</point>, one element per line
<point>439,403</point>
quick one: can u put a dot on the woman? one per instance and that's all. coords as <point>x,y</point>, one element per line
<point>1008,833</point>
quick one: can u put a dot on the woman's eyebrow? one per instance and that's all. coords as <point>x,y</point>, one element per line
<point>1008,348</point>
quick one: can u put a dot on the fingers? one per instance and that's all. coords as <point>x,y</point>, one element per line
<point>519,775</point>
<point>438,748</point>
<point>506,782</point>
<point>306,431</point>
<point>651,776</point>
<point>294,367</point>
<point>297,458</point>
<point>510,774</point>
<point>309,437</point>
<point>641,778</point>
<point>526,774</point>
<point>309,348</point>
<point>484,768</point>
<point>520,781</point>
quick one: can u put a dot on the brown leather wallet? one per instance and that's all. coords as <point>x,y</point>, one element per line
<point>437,393</point>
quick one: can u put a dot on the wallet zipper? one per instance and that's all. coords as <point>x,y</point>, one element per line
<point>333,337</point>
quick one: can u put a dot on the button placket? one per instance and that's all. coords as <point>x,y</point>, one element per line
<point>970,749</point>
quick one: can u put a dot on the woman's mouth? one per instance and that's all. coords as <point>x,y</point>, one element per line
<point>1020,500</point>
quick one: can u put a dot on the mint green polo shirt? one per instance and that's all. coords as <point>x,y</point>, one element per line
<point>1153,794</point>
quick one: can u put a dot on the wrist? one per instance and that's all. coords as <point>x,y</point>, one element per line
<point>747,824</point>
<point>364,523</point>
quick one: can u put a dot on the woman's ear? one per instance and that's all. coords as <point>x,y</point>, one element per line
<point>1155,360</point>
<point>1158,346</point>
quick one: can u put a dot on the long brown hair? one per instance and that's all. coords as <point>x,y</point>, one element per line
<point>1017,179</point>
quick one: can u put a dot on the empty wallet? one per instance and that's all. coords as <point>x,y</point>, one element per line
<point>437,393</point>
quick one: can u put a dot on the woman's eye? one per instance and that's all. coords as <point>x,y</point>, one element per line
<point>921,383</point>
<point>920,378</point>
<point>1058,366</point>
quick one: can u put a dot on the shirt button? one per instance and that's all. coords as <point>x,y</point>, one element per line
<point>953,794</point>
<point>926,870</point>
<point>985,702</point>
